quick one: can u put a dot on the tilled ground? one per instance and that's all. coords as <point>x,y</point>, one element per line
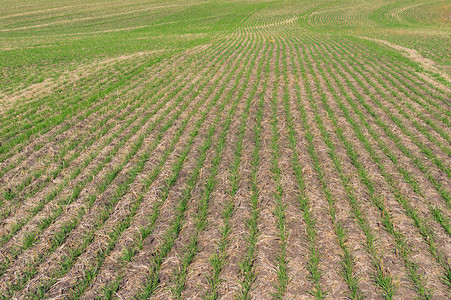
<point>280,159</point>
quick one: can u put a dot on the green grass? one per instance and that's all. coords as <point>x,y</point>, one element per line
<point>118,119</point>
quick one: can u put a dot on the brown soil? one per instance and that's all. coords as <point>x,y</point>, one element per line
<point>277,59</point>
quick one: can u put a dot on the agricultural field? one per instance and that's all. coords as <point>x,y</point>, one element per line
<point>225,149</point>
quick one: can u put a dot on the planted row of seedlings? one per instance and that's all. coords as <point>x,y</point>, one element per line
<point>149,129</point>
<point>418,221</point>
<point>142,97</point>
<point>390,75</point>
<point>170,236</point>
<point>80,286</point>
<point>202,208</point>
<point>218,259</point>
<point>89,178</point>
<point>418,163</point>
<point>390,227</point>
<point>58,167</point>
<point>347,260</point>
<point>381,277</point>
<point>116,99</point>
<point>248,264</point>
<point>266,278</point>
<point>191,248</point>
<point>280,207</point>
<point>430,97</point>
<point>410,178</point>
<point>57,115</point>
<point>64,126</point>
<point>315,257</point>
<point>220,262</point>
<point>434,94</point>
<point>266,222</point>
<point>67,157</point>
<point>124,90</point>
<point>130,215</point>
<point>419,285</point>
<point>396,86</point>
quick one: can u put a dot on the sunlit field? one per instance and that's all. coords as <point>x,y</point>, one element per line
<point>225,149</point>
